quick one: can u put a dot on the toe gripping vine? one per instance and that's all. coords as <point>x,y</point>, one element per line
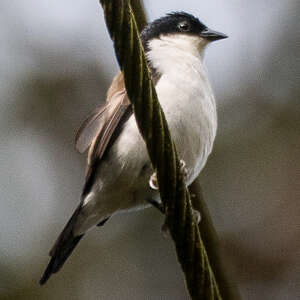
<point>153,183</point>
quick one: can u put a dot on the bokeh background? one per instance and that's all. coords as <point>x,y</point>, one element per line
<point>56,62</point>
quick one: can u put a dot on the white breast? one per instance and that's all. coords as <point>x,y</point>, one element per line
<point>186,97</point>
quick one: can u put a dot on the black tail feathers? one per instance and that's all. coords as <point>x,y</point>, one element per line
<point>57,260</point>
<point>62,249</point>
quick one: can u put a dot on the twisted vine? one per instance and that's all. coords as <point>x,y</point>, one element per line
<point>152,124</point>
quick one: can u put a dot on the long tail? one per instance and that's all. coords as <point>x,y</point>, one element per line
<point>62,248</point>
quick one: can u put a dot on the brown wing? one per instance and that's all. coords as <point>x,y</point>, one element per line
<point>97,120</point>
<point>119,108</point>
<point>90,128</point>
<point>109,113</point>
<point>103,126</point>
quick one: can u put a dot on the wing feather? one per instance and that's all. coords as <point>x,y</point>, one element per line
<point>89,129</point>
<point>103,126</point>
<point>112,122</point>
<point>98,119</point>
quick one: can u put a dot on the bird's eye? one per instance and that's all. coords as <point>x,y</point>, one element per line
<point>184,26</point>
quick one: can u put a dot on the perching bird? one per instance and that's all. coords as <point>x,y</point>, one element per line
<point>118,168</point>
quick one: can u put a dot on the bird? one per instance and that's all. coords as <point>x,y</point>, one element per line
<point>119,174</point>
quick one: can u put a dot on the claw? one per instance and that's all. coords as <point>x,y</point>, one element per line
<point>153,182</point>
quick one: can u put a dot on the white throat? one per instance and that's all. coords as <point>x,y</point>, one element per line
<point>174,50</point>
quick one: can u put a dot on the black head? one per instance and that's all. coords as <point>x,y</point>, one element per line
<point>179,22</point>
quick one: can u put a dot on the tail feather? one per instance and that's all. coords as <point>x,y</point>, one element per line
<point>59,259</point>
<point>62,248</point>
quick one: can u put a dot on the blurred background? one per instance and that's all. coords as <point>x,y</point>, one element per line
<point>56,62</point>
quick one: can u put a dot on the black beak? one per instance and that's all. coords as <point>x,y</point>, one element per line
<point>212,35</point>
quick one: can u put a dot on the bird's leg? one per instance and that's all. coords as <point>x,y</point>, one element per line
<point>157,205</point>
<point>161,208</point>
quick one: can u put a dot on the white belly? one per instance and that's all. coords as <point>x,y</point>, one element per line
<point>191,115</point>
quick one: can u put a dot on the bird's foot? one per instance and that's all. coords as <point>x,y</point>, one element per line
<point>153,179</point>
<point>183,169</point>
<point>197,215</point>
<point>153,182</point>
<point>154,185</point>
